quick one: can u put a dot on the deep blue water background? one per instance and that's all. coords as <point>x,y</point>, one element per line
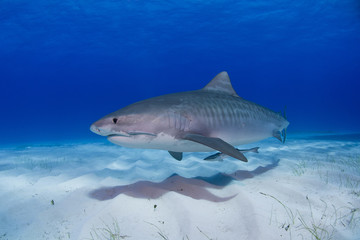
<point>64,64</point>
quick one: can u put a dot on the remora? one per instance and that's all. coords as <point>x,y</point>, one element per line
<point>212,118</point>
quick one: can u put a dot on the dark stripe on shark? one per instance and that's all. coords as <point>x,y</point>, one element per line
<point>228,111</point>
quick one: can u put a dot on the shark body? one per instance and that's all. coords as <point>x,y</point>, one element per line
<point>212,118</point>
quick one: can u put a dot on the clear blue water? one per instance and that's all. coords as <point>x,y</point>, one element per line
<point>64,64</point>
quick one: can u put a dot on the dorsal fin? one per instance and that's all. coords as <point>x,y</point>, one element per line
<point>221,83</point>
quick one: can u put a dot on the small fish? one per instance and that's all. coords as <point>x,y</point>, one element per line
<point>220,156</point>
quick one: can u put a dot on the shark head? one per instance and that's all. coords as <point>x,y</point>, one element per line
<point>134,123</point>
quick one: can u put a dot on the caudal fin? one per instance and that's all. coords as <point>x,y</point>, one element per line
<point>283,132</point>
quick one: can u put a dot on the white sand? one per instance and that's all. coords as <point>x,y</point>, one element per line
<point>307,187</point>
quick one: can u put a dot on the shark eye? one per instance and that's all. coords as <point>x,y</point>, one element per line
<point>115,120</point>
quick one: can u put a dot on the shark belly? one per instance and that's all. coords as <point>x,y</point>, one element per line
<point>162,142</point>
<point>165,141</point>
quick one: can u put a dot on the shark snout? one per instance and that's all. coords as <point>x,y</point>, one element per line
<point>95,129</point>
<point>100,128</point>
<point>104,127</point>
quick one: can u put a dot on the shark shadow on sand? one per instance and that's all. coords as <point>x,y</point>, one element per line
<point>196,188</point>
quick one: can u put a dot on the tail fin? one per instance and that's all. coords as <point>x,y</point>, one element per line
<point>277,135</point>
<point>281,135</point>
<point>283,132</point>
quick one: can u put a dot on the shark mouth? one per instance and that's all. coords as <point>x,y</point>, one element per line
<point>129,134</point>
<point>119,134</point>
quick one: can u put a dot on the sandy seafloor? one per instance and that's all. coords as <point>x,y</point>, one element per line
<point>306,188</point>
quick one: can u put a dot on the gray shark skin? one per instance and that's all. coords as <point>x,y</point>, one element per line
<point>205,120</point>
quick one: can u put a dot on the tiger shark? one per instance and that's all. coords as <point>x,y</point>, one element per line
<point>205,120</point>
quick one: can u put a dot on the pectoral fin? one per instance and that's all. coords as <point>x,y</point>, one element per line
<point>177,155</point>
<point>217,144</point>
